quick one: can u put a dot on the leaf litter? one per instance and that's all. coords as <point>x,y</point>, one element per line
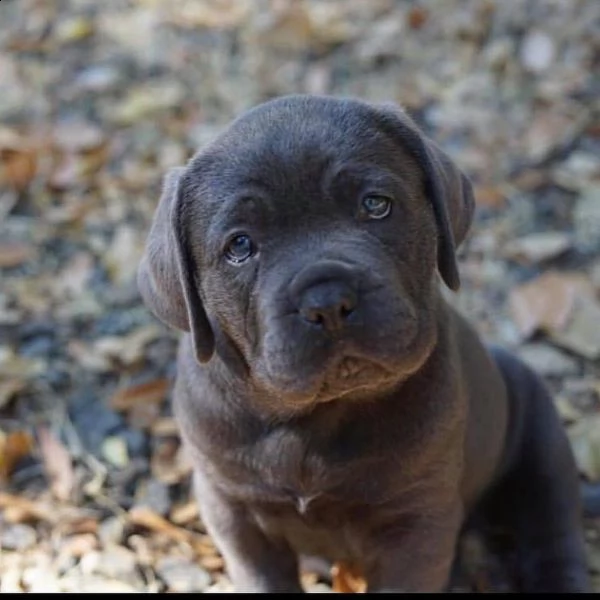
<point>98,101</point>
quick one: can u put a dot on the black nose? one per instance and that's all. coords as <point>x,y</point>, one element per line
<point>328,304</point>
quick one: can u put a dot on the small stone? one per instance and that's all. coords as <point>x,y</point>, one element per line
<point>182,575</point>
<point>111,531</point>
<point>117,562</point>
<point>548,361</point>
<point>114,450</point>
<point>537,51</point>
<point>17,537</point>
<point>155,496</point>
<point>98,78</point>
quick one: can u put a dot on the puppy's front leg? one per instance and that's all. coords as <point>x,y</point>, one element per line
<point>254,562</point>
<point>415,554</point>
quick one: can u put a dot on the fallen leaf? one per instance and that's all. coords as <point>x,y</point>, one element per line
<point>145,517</point>
<point>101,355</point>
<point>417,17</point>
<point>210,14</point>
<point>567,411</point>
<point>73,29</point>
<point>582,333</point>
<point>149,392</point>
<point>18,160</point>
<point>17,509</point>
<point>165,427</point>
<point>546,302</point>
<point>13,254</point>
<point>489,196</point>
<point>129,348</point>
<point>346,579</point>
<point>585,441</point>
<point>73,278</point>
<point>537,247</point>
<point>14,366</point>
<point>8,389</point>
<point>212,563</point>
<point>14,446</point>
<point>78,545</point>
<point>184,514</point>
<point>57,463</point>
<point>170,462</point>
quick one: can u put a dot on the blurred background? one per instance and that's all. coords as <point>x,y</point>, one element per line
<point>99,99</point>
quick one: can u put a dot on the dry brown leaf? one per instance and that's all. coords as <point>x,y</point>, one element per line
<point>417,17</point>
<point>78,545</point>
<point>13,447</point>
<point>165,427</point>
<point>184,514</point>
<point>127,349</point>
<point>146,517</point>
<point>17,509</point>
<point>149,392</point>
<point>170,462</point>
<point>18,160</point>
<point>211,14</point>
<point>346,579</point>
<point>73,278</point>
<point>13,254</point>
<point>8,389</point>
<point>212,563</point>
<point>57,463</point>
<point>489,196</point>
<point>547,302</point>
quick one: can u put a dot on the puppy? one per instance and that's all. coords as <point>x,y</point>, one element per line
<point>333,403</point>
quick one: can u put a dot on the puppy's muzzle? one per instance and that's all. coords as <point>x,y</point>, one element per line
<point>325,295</point>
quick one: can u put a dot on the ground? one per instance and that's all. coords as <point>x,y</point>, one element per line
<point>99,99</point>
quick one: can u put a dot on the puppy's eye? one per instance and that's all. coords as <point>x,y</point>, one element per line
<point>239,249</point>
<point>375,206</point>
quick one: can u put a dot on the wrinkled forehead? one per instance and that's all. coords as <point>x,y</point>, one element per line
<point>290,140</point>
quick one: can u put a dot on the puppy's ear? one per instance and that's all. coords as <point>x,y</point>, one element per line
<point>167,277</point>
<point>448,189</point>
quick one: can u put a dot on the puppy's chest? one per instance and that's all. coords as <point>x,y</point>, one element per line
<point>282,470</point>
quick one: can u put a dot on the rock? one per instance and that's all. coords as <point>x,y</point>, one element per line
<point>111,531</point>
<point>155,495</point>
<point>537,51</point>
<point>182,575</point>
<point>114,450</point>
<point>548,361</point>
<point>117,562</point>
<point>17,537</point>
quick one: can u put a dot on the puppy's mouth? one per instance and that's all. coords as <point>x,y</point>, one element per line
<point>352,376</point>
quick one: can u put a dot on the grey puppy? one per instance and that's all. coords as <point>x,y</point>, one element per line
<point>333,403</point>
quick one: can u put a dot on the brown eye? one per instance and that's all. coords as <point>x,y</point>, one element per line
<point>376,207</point>
<point>239,249</point>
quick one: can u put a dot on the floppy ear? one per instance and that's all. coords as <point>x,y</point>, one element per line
<point>448,189</point>
<point>167,277</point>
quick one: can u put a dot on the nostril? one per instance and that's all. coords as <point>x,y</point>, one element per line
<point>346,307</point>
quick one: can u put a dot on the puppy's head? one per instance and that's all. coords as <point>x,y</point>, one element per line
<point>303,246</point>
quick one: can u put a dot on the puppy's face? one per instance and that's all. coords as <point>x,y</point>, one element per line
<point>308,245</point>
